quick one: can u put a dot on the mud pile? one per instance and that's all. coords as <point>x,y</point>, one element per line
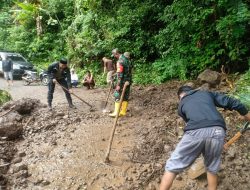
<point>29,121</point>
<point>12,121</point>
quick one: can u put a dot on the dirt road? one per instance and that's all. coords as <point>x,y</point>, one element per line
<point>65,148</point>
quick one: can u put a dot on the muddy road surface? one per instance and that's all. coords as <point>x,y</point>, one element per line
<point>66,148</point>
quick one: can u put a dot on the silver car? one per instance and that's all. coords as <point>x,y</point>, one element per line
<point>20,64</point>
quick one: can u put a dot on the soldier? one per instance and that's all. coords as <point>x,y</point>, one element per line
<point>59,73</point>
<point>123,74</point>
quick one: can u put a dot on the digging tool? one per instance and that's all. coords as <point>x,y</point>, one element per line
<point>198,168</point>
<point>106,103</point>
<point>75,95</point>
<point>115,122</point>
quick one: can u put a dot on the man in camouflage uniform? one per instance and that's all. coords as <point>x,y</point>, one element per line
<point>124,74</point>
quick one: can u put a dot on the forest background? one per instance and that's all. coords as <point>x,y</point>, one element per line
<point>168,39</point>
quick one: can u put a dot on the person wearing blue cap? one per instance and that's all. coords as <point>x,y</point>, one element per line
<point>59,73</point>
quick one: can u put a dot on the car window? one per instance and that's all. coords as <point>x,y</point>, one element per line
<point>16,58</point>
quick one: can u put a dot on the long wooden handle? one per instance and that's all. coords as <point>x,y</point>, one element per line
<point>106,103</point>
<point>81,100</point>
<point>232,140</point>
<point>75,95</point>
<point>115,122</point>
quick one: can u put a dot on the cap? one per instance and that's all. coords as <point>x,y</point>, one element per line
<point>63,61</point>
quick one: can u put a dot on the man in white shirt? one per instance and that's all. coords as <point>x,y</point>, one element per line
<point>74,78</point>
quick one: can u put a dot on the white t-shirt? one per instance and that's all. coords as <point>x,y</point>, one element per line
<point>74,77</point>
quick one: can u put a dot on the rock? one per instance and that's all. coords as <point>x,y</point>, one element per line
<point>66,117</point>
<point>22,174</point>
<point>60,114</point>
<point>179,178</point>
<point>231,152</point>
<point>211,77</point>
<point>17,160</point>
<point>204,87</point>
<point>18,167</point>
<point>45,183</point>
<point>11,130</point>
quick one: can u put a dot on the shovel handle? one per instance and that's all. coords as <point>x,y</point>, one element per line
<point>75,95</point>
<point>232,140</point>
<point>115,122</point>
<point>111,84</point>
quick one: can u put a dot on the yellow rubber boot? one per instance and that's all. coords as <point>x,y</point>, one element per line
<point>124,108</point>
<point>116,109</point>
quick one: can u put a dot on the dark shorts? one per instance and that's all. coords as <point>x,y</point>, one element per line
<point>206,141</point>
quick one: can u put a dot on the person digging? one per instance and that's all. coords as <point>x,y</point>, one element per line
<point>59,73</point>
<point>123,74</point>
<point>204,133</point>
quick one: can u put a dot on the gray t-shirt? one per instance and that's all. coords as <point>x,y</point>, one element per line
<point>7,65</point>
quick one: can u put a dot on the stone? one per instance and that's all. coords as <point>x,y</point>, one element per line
<point>17,160</point>
<point>18,167</point>
<point>211,77</point>
<point>11,130</point>
<point>22,174</point>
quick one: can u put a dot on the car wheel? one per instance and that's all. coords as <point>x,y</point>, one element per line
<point>45,80</point>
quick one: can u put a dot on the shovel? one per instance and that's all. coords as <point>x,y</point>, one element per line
<point>104,110</point>
<point>115,122</point>
<point>76,96</point>
<point>198,168</point>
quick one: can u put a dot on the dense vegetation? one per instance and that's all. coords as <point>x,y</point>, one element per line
<point>168,39</point>
<point>4,97</point>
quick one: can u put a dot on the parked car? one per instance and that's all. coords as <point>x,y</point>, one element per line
<point>20,64</point>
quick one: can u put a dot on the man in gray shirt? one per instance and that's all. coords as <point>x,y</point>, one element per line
<point>7,66</point>
<point>204,133</point>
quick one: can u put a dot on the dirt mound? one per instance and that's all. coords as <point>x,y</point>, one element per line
<point>23,106</point>
<point>12,119</point>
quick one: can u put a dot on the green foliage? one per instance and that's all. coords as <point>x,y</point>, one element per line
<point>243,90</point>
<point>144,74</point>
<point>4,97</point>
<point>168,39</point>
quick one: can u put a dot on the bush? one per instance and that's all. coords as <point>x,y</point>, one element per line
<point>242,91</point>
<point>4,97</point>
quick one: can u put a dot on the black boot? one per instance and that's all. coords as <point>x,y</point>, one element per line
<point>72,106</point>
<point>49,106</point>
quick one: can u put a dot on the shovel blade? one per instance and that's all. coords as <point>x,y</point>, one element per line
<point>197,169</point>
